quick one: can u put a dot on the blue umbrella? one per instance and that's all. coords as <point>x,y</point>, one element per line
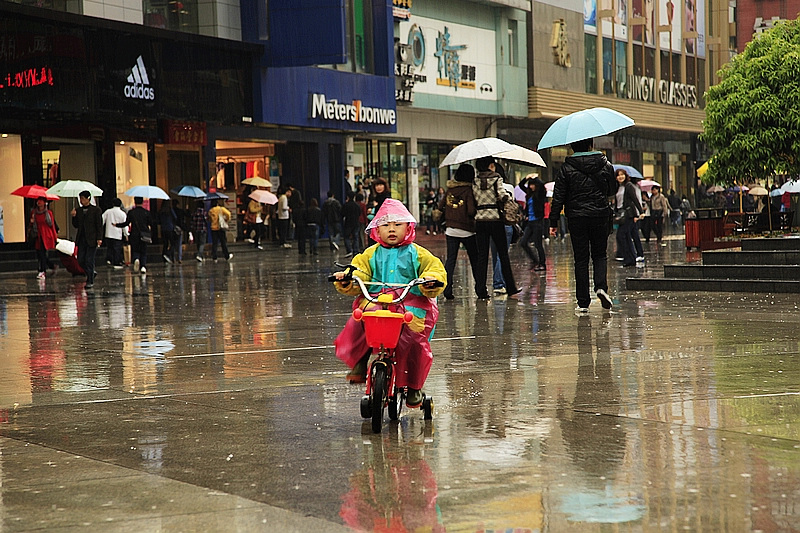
<point>586,124</point>
<point>148,191</point>
<point>632,172</point>
<point>215,196</point>
<point>190,191</point>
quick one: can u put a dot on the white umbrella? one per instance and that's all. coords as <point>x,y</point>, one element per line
<point>264,197</point>
<point>257,182</point>
<point>758,190</point>
<point>791,186</point>
<point>475,149</point>
<point>148,191</point>
<point>72,188</point>
<point>522,155</point>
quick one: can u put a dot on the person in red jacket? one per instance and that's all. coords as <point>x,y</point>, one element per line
<point>46,234</point>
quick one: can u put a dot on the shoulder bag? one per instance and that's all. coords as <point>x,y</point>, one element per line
<point>510,212</point>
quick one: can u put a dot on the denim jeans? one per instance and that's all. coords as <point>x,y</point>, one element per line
<point>86,256</point>
<point>625,243</point>
<point>589,236</point>
<point>334,233</point>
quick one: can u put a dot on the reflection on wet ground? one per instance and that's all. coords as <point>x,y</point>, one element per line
<point>207,397</point>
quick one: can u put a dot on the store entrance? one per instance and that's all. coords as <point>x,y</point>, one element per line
<point>67,159</point>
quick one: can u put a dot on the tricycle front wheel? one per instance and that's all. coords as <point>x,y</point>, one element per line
<point>379,382</point>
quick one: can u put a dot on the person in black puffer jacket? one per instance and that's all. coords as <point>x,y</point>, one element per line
<point>583,185</point>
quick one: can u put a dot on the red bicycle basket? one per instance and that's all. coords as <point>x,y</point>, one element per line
<point>382,328</point>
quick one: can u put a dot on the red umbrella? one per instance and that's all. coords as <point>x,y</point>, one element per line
<point>34,191</point>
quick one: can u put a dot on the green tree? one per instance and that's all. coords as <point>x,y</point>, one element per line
<point>753,114</point>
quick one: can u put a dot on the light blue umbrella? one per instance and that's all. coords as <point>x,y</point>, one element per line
<point>189,191</point>
<point>632,172</point>
<point>148,191</point>
<point>586,124</point>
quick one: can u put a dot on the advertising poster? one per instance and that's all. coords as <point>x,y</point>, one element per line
<point>451,59</point>
<point>591,14</point>
<point>645,9</point>
<point>690,18</point>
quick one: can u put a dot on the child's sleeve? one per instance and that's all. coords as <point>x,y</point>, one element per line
<point>361,262</point>
<point>431,266</point>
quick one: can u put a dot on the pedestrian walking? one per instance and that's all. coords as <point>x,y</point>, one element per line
<point>459,211</point>
<point>199,229</point>
<point>313,224</point>
<point>582,187</point>
<point>114,235</point>
<point>219,217</point>
<point>639,222</point>
<point>535,196</point>
<point>253,221</point>
<point>141,233</point>
<point>284,211</point>
<point>627,202</point>
<point>498,281</point>
<point>430,204</point>
<point>88,219</point>
<point>43,223</point>
<point>351,213</point>
<point>177,231</point>
<point>332,212</point>
<point>489,191</point>
<point>659,213</point>
<point>167,220</point>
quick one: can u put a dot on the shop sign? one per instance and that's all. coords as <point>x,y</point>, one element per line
<point>28,78</point>
<point>138,86</point>
<point>401,9</point>
<point>405,64</point>
<point>451,59</point>
<point>643,88</point>
<point>185,132</point>
<point>320,107</point>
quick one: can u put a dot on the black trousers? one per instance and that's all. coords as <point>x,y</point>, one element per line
<point>453,244</point>
<point>589,236</point>
<point>495,231</point>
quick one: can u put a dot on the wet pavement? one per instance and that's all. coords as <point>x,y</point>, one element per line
<point>206,397</point>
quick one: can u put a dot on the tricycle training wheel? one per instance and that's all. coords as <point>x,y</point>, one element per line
<point>394,402</point>
<point>378,397</point>
<point>427,408</point>
<point>366,410</point>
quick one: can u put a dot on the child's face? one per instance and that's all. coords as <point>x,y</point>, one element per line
<point>393,233</point>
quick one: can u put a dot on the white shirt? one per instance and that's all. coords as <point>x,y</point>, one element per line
<point>283,207</point>
<point>115,215</point>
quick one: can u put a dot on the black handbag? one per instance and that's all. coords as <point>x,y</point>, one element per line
<point>621,216</point>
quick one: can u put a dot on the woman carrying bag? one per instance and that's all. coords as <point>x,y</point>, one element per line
<point>627,212</point>
<point>43,232</point>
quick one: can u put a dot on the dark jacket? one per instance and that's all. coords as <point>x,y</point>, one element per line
<point>630,200</point>
<point>583,185</point>
<point>351,212</point>
<point>139,220</point>
<point>458,205</point>
<point>89,221</point>
<point>332,211</point>
<point>313,215</point>
<point>537,197</point>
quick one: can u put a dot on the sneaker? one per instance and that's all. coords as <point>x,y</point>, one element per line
<point>88,286</point>
<point>605,299</point>
<point>40,275</point>
<point>358,374</point>
<point>143,270</point>
<point>230,256</point>
<point>515,291</point>
<point>136,265</point>
<point>414,398</point>
<point>335,246</point>
<point>427,232</point>
<point>619,259</point>
<point>199,259</point>
<point>540,268</point>
<point>349,254</point>
<point>260,247</point>
<point>167,259</point>
<point>581,311</point>
<point>287,245</point>
<point>640,259</point>
<point>501,290</point>
<point>118,267</point>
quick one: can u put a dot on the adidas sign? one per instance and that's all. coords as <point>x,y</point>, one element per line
<point>138,83</point>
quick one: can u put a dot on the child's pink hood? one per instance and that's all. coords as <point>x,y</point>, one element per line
<point>393,211</point>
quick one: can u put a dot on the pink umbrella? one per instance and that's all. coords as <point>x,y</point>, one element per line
<point>647,185</point>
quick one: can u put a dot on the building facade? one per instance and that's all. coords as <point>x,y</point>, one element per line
<point>113,103</point>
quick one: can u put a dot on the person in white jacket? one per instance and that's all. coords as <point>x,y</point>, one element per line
<point>113,235</point>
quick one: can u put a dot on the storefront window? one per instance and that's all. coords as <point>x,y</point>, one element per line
<point>386,159</point>
<point>590,45</point>
<point>176,15</point>
<point>428,160</point>
<point>396,171</point>
<point>608,72</point>
<point>622,64</point>
<point>132,168</point>
<point>12,208</point>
